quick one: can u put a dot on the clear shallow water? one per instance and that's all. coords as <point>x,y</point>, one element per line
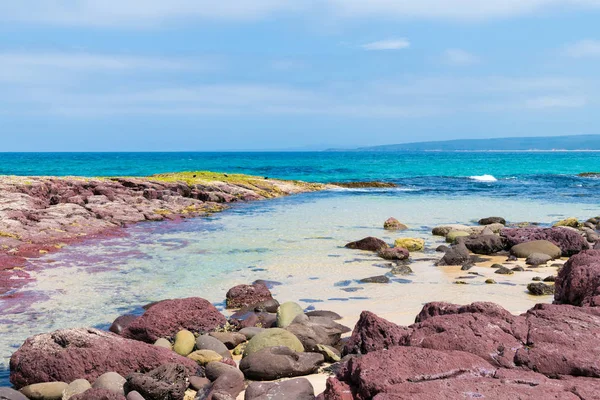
<point>296,240</point>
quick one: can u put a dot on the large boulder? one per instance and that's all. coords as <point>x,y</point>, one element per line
<point>456,255</point>
<point>292,389</point>
<point>270,338</point>
<point>485,244</point>
<point>526,249</point>
<point>373,333</point>
<point>70,354</point>
<point>569,241</point>
<point>279,362</point>
<point>166,318</point>
<point>578,281</point>
<point>245,295</point>
<point>287,312</point>
<point>369,243</point>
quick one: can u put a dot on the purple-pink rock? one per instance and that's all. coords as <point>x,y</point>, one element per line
<point>569,241</point>
<point>98,394</point>
<point>440,308</point>
<point>396,253</point>
<point>244,295</point>
<point>70,354</point>
<point>166,318</point>
<point>578,281</point>
<point>373,333</point>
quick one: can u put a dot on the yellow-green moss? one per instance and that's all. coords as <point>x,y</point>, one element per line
<point>162,211</point>
<point>10,235</point>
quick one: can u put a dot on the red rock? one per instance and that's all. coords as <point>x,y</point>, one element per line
<point>373,333</point>
<point>122,322</point>
<point>98,394</point>
<point>244,295</point>
<point>561,340</point>
<point>440,308</point>
<point>336,390</point>
<point>396,253</point>
<point>168,317</point>
<point>578,281</point>
<point>569,241</point>
<point>369,243</point>
<point>70,354</point>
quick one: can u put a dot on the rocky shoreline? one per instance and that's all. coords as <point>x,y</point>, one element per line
<point>186,349</point>
<point>39,215</point>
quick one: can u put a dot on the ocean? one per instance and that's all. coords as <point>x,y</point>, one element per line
<point>298,240</point>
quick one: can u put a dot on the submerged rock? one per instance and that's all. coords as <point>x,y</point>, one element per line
<point>376,279</point>
<point>396,253</point>
<point>393,224</point>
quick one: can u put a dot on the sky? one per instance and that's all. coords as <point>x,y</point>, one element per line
<point>199,75</point>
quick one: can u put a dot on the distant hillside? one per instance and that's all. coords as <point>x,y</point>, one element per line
<point>579,142</point>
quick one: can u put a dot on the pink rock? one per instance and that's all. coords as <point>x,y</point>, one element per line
<point>166,318</point>
<point>70,354</point>
<point>440,308</point>
<point>336,390</point>
<point>244,295</point>
<point>578,281</point>
<point>98,394</point>
<point>373,333</point>
<point>569,241</point>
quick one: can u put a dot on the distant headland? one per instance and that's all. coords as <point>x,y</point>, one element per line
<point>548,143</point>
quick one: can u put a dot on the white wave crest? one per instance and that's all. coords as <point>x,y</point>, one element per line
<point>484,178</point>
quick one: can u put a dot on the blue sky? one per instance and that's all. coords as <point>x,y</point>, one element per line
<point>154,75</point>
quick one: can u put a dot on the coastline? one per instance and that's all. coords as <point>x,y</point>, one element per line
<point>43,214</point>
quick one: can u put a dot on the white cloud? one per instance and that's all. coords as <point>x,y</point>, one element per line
<point>136,13</point>
<point>583,48</point>
<point>389,44</point>
<point>460,58</point>
<point>545,102</point>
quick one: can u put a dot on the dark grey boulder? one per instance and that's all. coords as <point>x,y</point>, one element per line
<point>279,362</point>
<point>293,389</point>
<point>540,289</point>
<point>485,244</point>
<point>207,342</point>
<point>457,255</point>
<point>492,220</point>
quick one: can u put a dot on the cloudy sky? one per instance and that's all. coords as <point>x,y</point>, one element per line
<point>199,75</point>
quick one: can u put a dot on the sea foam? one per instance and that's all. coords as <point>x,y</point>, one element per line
<point>484,178</point>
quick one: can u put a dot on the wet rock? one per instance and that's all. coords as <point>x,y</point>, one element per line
<point>570,242</point>
<point>168,317</point>
<point>395,254</point>
<point>504,271</point>
<point>267,283</point>
<point>392,224</point>
<point>490,281</point>
<point>457,255</point>
<point>376,279</point>
<point>485,244</point>
<point>526,249</point>
<point>122,322</point>
<point>540,289</point>
<point>536,278</point>
<point>369,244</point>
<point>492,220</point>
<point>245,295</point>
<point>76,387</point>
<point>467,266</point>
<point>496,266</point>
<point>373,333</point>
<point>110,381</point>
<point>86,353</point>
<point>537,259</point>
<point>442,248</point>
<point>279,362</point>
<point>11,394</point>
<point>168,381</point>
<point>287,312</point>
<point>293,389</point>
<point>98,394</point>
<point>207,342</point>
<point>410,244</point>
<point>184,342</point>
<point>578,281</point>
<point>273,337</point>
<point>45,391</point>
<point>401,269</point>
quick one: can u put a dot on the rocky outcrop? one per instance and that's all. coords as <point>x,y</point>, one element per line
<point>578,281</point>
<point>373,333</point>
<point>43,214</point>
<point>167,317</point>
<point>245,295</point>
<point>71,354</point>
<point>569,241</point>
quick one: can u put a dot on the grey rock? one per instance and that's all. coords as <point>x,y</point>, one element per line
<point>78,386</point>
<point>110,381</point>
<point>293,389</point>
<point>537,259</point>
<point>251,331</point>
<point>134,396</point>
<point>11,394</point>
<point>504,271</point>
<point>207,342</point>
<point>279,362</point>
<point>376,279</point>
